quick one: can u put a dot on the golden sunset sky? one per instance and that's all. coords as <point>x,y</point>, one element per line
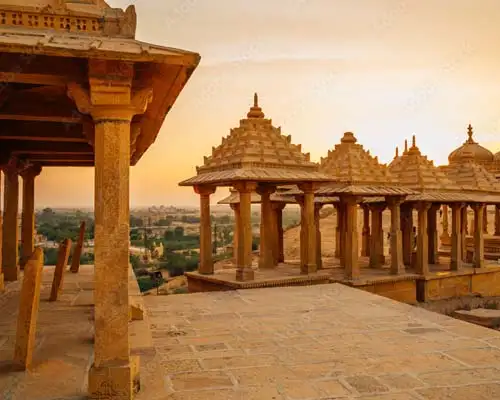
<point>383,69</point>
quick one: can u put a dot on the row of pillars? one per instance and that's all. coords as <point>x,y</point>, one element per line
<point>271,230</point>
<point>10,262</point>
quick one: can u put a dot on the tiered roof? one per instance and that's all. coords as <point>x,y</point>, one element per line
<point>256,151</point>
<point>355,171</point>
<point>472,176</point>
<point>280,196</point>
<point>415,171</point>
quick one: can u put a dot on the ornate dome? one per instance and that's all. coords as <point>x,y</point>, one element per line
<point>497,156</point>
<point>480,154</point>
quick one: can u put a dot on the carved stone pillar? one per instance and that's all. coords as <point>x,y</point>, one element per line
<point>422,265</point>
<point>236,208</point>
<point>432,233</point>
<point>337,230</point>
<point>497,220</point>
<point>365,235</point>
<point>244,270</point>
<point>206,261</point>
<point>479,210</point>
<point>10,256</point>
<point>308,230</point>
<point>352,270</point>
<point>28,214</point>
<point>407,232</point>
<point>112,102</point>
<point>397,265</point>
<point>464,225</point>
<point>376,242</point>
<point>485,220</point>
<point>2,285</point>
<point>456,236</point>
<point>279,252</point>
<point>445,235</point>
<point>319,259</point>
<point>266,259</point>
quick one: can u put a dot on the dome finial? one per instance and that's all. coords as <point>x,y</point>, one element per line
<point>255,111</point>
<point>470,132</point>
<point>397,152</point>
<point>406,146</point>
<point>413,141</point>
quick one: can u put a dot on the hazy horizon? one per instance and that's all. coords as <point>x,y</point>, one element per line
<point>384,70</point>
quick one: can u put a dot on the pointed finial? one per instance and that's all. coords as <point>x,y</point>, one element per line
<point>413,141</point>
<point>470,132</point>
<point>397,152</point>
<point>255,111</point>
<point>406,146</point>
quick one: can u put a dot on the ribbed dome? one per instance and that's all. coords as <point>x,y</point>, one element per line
<point>480,154</point>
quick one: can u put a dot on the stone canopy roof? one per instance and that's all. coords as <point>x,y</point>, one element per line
<point>355,171</point>
<point>256,151</point>
<point>470,175</point>
<point>480,154</point>
<point>415,171</point>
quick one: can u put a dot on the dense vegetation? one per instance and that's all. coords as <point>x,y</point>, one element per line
<point>181,250</point>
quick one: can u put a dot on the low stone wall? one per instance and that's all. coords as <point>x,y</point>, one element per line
<point>470,302</point>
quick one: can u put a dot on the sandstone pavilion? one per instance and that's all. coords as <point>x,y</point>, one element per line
<point>79,90</point>
<point>423,262</point>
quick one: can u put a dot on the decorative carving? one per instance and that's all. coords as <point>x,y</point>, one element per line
<point>141,99</point>
<point>80,96</point>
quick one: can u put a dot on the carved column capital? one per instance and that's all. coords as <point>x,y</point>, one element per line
<point>374,207</point>
<point>263,189</point>
<point>394,200</point>
<point>12,166</point>
<point>276,205</point>
<point>423,206</point>
<point>245,186</point>
<point>203,190</point>
<point>30,171</point>
<point>308,187</point>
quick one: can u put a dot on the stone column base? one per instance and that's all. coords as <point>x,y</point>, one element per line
<point>117,382</point>
<point>245,274</point>
<point>11,274</point>
<point>308,269</point>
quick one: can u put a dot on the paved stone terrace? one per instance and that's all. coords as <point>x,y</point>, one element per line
<point>318,342</point>
<point>64,345</point>
<point>315,342</point>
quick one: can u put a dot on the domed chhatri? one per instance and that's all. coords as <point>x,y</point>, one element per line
<point>480,154</point>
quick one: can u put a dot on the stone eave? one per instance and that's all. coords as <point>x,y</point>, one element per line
<point>57,44</point>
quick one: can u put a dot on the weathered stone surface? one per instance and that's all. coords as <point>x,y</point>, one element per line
<point>28,311</point>
<point>480,316</point>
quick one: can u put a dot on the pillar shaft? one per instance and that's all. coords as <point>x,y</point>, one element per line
<point>456,237</point>
<point>236,209</point>
<point>206,261</point>
<point>432,234</point>
<point>319,259</point>
<point>112,163</point>
<point>407,233</point>
<point>397,265</point>
<point>352,270</point>
<point>464,225</point>
<point>10,265</point>
<point>479,210</point>
<point>2,287</point>
<point>337,229</point>
<point>28,214</point>
<point>422,265</point>
<point>244,270</point>
<point>376,242</point>
<point>308,231</point>
<point>365,236</point>
<point>445,235</point>
<point>266,228</point>
<point>497,220</point>
<point>279,225</point>
<point>485,220</point>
